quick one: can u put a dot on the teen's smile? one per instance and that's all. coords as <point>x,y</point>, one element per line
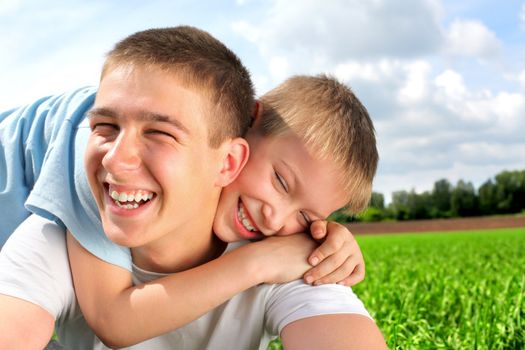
<point>123,201</point>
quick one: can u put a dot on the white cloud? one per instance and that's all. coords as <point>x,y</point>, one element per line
<point>352,71</point>
<point>479,151</point>
<point>9,6</point>
<point>450,84</point>
<point>250,32</point>
<point>453,130</point>
<point>376,71</point>
<point>501,111</point>
<point>472,38</point>
<point>504,111</point>
<point>279,67</point>
<point>415,88</point>
<point>423,179</point>
<point>317,35</point>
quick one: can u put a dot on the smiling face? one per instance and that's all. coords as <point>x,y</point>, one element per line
<point>280,191</point>
<point>148,160</point>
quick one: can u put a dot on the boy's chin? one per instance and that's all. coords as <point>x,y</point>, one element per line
<point>119,235</point>
<point>224,235</point>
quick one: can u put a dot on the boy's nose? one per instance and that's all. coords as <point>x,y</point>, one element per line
<point>124,155</point>
<point>277,218</point>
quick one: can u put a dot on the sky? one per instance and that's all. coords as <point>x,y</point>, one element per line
<point>444,81</point>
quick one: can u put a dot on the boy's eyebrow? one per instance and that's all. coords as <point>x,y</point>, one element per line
<point>144,116</point>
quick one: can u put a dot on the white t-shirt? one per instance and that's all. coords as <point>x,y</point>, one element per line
<point>34,267</point>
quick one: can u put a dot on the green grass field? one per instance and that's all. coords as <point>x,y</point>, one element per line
<point>462,290</point>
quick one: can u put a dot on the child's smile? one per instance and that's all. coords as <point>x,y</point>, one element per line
<point>245,224</point>
<point>280,191</point>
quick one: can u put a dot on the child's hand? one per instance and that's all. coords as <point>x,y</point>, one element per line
<point>338,259</point>
<point>282,259</point>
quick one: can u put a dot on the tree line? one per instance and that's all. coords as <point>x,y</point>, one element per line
<point>502,194</point>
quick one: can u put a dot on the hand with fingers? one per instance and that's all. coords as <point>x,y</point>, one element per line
<point>281,259</point>
<point>338,259</point>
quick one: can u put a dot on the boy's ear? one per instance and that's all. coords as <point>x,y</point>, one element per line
<point>257,111</point>
<point>235,158</point>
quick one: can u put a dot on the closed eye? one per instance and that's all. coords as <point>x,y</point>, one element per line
<point>282,181</point>
<point>306,219</point>
<point>162,134</point>
<point>103,126</point>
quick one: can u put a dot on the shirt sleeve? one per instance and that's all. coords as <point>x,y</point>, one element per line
<point>25,136</point>
<point>296,300</point>
<point>34,266</point>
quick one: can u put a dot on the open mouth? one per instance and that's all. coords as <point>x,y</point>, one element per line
<point>245,219</point>
<point>130,199</point>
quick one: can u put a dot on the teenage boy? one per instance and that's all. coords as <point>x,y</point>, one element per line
<point>129,84</point>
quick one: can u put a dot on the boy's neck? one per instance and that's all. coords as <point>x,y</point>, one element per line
<point>177,253</point>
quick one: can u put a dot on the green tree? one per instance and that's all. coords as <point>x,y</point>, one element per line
<point>399,205</point>
<point>510,191</point>
<point>419,205</point>
<point>441,195</point>
<point>464,201</point>
<point>377,200</point>
<point>488,203</point>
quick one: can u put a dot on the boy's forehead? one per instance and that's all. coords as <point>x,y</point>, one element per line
<point>147,94</point>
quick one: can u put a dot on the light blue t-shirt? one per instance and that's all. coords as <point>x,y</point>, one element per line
<point>42,171</point>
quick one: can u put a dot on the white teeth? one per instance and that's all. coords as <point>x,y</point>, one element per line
<point>244,220</point>
<point>135,197</point>
<point>246,224</point>
<point>127,206</point>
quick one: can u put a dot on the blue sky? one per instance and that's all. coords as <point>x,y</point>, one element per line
<point>444,81</point>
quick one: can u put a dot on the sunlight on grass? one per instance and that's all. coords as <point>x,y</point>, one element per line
<point>447,290</point>
<point>462,290</point>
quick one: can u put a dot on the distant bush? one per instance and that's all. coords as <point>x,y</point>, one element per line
<point>372,214</point>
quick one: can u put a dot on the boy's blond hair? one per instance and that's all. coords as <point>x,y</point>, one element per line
<point>200,61</point>
<point>334,125</point>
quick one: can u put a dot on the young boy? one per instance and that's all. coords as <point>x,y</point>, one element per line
<point>103,177</point>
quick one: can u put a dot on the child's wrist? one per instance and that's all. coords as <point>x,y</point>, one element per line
<point>252,261</point>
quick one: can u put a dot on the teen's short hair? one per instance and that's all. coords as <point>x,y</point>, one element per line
<point>334,125</point>
<point>200,61</point>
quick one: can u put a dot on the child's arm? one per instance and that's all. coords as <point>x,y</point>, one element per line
<point>338,259</point>
<point>122,315</point>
